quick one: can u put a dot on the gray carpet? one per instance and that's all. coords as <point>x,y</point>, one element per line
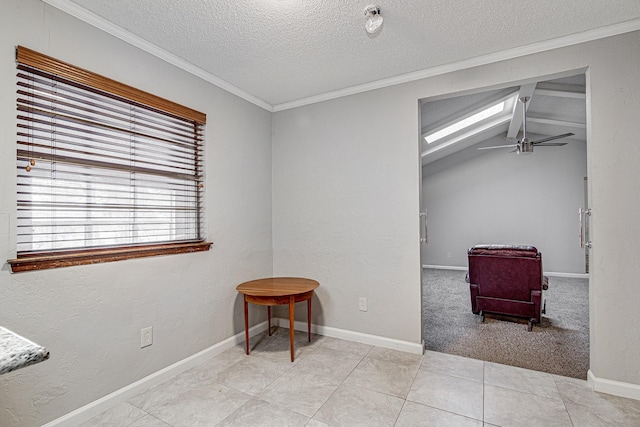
<point>558,345</point>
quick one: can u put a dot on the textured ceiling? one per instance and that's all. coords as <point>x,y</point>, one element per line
<point>286,50</point>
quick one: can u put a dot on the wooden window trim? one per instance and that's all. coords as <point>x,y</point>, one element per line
<point>36,59</point>
<point>43,261</point>
<point>48,260</point>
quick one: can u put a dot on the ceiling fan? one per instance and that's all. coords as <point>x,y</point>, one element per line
<point>524,146</point>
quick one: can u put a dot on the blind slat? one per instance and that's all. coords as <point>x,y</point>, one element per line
<point>114,143</point>
<point>62,116</point>
<point>57,158</point>
<point>43,87</point>
<point>178,164</point>
<point>96,116</point>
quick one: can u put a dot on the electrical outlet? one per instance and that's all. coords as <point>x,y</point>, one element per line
<point>362,304</point>
<point>146,337</point>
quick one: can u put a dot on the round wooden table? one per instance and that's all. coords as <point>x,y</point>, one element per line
<point>277,291</point>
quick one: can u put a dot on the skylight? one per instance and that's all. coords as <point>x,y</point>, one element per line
<point>466,122</point>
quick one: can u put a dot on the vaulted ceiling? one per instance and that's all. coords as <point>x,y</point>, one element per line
<point>282,53</point>
<point>556,107</point>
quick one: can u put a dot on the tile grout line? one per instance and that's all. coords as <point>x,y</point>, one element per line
<point>256,397</point>
<point>341,384</point>
<point>484,364</point>
<point>404,403</point>
<point>563,402</point>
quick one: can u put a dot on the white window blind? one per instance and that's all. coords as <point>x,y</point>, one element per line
<point>100,170</point>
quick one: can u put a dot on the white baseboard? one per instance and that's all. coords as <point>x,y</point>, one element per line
<point>569,275</point>
<point>97,407</point>
<point>546,273</point>
<point>378,341</point>
<point>444,267</point>
<point>616,388</point>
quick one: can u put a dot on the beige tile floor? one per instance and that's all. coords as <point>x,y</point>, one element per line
<point>341,383</point>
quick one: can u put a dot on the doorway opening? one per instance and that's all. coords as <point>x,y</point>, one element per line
<point>479,187</point>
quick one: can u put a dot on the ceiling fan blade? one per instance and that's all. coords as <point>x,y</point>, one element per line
<point>551,144</point>
<point>498,146</point>
<point>551,138</point>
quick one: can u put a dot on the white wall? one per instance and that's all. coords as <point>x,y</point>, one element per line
<point>345,196</point>
<point>500,197</point>
<point>345,179</point>
<point>90,317</point>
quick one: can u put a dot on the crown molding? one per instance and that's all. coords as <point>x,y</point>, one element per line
<point>586,36</point>
<point>97,21</point>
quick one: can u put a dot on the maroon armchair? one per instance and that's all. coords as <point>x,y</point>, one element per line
<point>507,280</point>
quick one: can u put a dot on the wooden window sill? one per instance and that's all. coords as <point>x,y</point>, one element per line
<point>45,261</point>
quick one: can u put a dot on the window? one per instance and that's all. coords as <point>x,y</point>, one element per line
<point>104,171</point>
<point>468,126</point>
<point>466,122</point>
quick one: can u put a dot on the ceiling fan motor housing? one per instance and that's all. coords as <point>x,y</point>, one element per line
<point>525,147</point>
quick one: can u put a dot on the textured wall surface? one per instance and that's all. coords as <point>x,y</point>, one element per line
<point>89,317</point>
<point>346,178</point>
<point>614,155</point>
<point>500,197</point>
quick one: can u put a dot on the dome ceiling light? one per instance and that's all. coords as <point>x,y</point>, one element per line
<point>374,19</point>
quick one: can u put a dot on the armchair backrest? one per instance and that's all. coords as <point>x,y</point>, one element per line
<point>506,271</point>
